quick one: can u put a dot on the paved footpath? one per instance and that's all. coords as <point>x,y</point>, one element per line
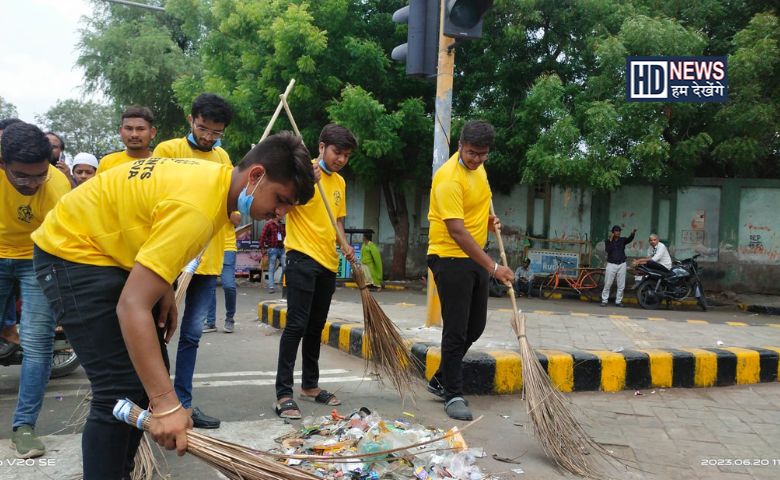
<point>584,347</point>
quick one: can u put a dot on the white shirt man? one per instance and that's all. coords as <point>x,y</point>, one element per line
<point>657,253</point>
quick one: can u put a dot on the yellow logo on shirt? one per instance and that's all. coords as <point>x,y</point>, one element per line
<point>24,213</point>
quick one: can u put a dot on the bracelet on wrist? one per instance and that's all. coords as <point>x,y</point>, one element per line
<point>167,412</point>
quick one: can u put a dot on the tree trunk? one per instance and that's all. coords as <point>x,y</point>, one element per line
<point>399,218</point>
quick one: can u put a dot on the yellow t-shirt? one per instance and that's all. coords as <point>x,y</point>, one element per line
<point>21,214</point>
<point>113,159</point>
<point>457,192</point>
<point>159,212</point>
<point>309,229</point>
<point>229,232</point>
<point>213,258</point>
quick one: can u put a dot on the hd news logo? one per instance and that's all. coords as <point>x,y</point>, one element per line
<point>676,79</point>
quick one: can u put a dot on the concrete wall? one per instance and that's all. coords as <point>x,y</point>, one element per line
<point>759,226</point>
<point>732,223</point>
<point>698,222</point>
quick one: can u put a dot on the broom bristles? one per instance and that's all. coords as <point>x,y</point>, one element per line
<point>386,350</point>
<point>562,437</point>
<point>234,461</point>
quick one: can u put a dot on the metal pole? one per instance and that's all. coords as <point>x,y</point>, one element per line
<point>441,140</point>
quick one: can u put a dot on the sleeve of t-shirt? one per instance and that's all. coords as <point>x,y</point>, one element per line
<point>449,200</point>
<point>179,232</point>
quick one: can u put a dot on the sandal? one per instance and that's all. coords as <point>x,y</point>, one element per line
<point>288,405</point>
<point>324,397</point>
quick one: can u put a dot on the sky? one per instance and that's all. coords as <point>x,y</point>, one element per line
<point>38,59</point>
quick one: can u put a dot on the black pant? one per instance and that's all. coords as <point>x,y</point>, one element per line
<point>463,291</point>
<point>83,299</point>
<point>310,287</point>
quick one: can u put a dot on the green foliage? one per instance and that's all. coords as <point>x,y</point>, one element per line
<point>86,126</point>
<point>135,55</point>
<point>7,109</point>
<point>549,74</point>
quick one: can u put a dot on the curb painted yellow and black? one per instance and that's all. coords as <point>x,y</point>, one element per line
<point>500,371</point>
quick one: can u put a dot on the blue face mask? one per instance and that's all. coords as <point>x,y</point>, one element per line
<point>324,167</point>
<point>244,203</point>
<point>194,143</point>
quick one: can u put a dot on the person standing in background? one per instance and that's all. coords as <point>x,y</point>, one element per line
<point>272,242</point>
<point>136,129</point>
<point>616,265</point>
<point>210,115</point>
<point>371,262</point>
<point>228,284</point>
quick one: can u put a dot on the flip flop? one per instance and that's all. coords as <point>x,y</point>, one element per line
<point>324,397</point>
<point>288,405</point>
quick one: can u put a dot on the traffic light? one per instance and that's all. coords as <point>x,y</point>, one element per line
<point>420,52</point>
<point>463,18</point>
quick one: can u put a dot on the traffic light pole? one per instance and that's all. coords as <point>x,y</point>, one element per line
<point>441,141</point>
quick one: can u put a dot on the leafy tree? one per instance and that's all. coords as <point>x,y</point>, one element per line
<point>7,109</point>
<point>337,50</point>
<point>134,56</point>
<point>87,126</point>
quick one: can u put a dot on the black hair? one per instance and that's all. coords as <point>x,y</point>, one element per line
<point>4,123</point>
<point>286,159</point>
<point>59,137</point>
<point>212,107</point>
<point>478,133</point>
<point>338,136</point>
<point>137,111</point>
<point>368,236</point>
<point>25,143</point>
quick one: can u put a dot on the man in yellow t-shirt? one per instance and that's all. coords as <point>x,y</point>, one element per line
<point>459,217</point>
<point>210,115</point>
<point>136,129</point>
<point>29,187</point>
<point>106,257</point>
<point>312,263</point>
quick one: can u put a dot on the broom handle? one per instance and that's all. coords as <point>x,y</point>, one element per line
<point>521,320</point>
<point>278,110</point>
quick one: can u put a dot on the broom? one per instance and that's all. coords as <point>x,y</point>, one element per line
<point>561,435</point>
<point>386,349</point>
<point>233,461</point>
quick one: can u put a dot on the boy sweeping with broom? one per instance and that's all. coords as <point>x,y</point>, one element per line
<point>460,219</point>
<point>147,220</point>
<point>312,263</point>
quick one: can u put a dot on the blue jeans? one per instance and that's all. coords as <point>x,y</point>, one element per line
<point>229,287</point>
<point>36,336</point>
<point>9,313</point>
<point>196,306</point>
<point>273,255</point>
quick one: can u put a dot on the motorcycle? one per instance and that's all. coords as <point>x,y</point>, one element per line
<point>679,283</point>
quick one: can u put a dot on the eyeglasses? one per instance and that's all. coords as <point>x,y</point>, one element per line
<point>28,181</point>
<point>480,156</point>
<point>203,131</point>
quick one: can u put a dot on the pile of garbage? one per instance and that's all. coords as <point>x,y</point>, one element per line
<point>363,446</point>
